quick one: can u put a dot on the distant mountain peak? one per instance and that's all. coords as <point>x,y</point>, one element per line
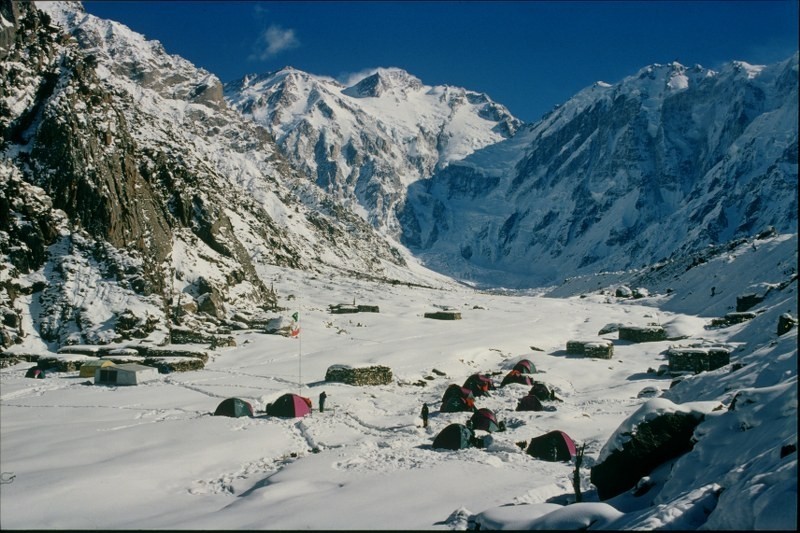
<point>383,80</point>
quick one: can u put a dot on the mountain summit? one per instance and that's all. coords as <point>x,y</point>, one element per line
<point>365,143</point>
<point>384,79</point>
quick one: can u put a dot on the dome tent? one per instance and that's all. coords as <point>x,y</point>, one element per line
<point>486,420</point>
<point>234,407</point>
<point>529,403</point>
<point>525,366</point>
<point>457,399</point>
<point>555,446</point>
<point>542,391</point>
<point>35,372</point>
<point>290,406</point>
<point>479,384</point>
<point>454,437</point>
<point>515,376</point>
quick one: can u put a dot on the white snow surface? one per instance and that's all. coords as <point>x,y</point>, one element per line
<point>152,456</point>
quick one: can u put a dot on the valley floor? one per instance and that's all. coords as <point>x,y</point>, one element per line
<point>80,456</point>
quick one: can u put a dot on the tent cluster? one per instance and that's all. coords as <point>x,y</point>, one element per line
<point>287,406</point>
<point>553,446</point>
<point>533,400</point>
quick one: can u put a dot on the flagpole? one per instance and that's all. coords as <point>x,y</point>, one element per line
<point>295,332</point>
<point>299,356</point>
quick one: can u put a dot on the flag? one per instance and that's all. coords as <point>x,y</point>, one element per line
<point>296,316</point>
<point>295,331</point>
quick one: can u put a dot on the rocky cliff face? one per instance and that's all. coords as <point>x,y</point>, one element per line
<point>134,199</point>
<point>365,143</point>
<point>670,159</point>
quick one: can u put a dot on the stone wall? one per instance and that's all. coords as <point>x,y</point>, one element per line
<point>444,315</point>
<point>175,364</point>
<point>349,308</point>
<point>340,309</point>
<point>731,319</point>
<point>746,302</point>
<point>182,335</point>
<point>368,375</point>
<point>697,358</point>
<point>70,358</point>
<point>642,333</point>
<point>601,349</point>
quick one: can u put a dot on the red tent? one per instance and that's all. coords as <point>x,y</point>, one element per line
<point>290,405</point>
<point>479,384</point>
<point>484,419</point>
<point>555,446</point>
<point>542,391</point>
<point>515,376</point>
<point>525,366</point>
<point>529,403</point>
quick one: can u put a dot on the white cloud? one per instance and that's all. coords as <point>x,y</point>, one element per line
<point>273,41</point>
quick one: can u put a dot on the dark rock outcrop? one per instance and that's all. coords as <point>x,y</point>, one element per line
<point>653,442</point>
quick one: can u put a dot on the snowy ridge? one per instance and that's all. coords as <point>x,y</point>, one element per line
<point>666,161</point>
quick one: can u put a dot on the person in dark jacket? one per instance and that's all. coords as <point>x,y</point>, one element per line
<point>424,415</point>
<point>322,397</point>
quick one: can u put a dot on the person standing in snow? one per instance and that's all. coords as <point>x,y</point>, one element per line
<point>424,415</point>
<point>322,397</point>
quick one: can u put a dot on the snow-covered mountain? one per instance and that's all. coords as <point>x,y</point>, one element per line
<point>133,173</point>
<point>134,199</point>
<point>666,161</point>
<point>367,142</point>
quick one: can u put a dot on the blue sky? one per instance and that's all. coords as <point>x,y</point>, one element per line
<point>526,55</point>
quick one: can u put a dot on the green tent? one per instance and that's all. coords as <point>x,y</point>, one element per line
<point>235,408</point>
<point>454,437</point>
